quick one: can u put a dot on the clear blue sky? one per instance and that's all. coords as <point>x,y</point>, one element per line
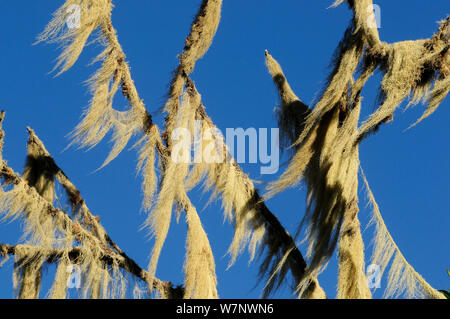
<point>408,171</point>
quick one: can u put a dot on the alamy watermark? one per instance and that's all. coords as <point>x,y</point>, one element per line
<point>374,20</point>
<point>74,278</point>
<point>74,16</point>
<point>374,276</point>
<point>210,146</point>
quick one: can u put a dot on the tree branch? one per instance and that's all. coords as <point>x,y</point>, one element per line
<point>54,255</point>
<point>77,201</point>
<point>82,234</point>
<point>274,228</point>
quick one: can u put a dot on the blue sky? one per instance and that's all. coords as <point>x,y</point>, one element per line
<point>408,170</point>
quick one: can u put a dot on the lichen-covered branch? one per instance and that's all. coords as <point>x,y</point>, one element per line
<point>75,256</point>
<point>24,199</point>
<point>327,138</point>
<point>253,218</point>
